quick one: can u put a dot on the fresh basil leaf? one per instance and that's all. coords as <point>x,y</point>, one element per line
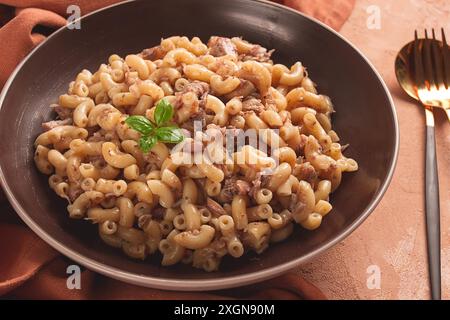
<point>163,112</point>
<point>140,124</point>
<point>169,134</point>
<point>146,143</point>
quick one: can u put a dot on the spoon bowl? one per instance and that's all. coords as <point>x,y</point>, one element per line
<point>402,70</point>
<point>431,96</point>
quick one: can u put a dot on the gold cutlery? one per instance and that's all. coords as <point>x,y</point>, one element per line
<point>422,68</point>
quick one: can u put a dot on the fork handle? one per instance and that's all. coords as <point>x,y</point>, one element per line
<point>432,209</point>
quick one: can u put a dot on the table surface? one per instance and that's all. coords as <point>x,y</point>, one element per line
<point>393,237</point>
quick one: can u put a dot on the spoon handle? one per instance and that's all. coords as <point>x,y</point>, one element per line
<point>432,208</point>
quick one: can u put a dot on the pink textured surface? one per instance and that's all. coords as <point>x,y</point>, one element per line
<point>393,237</point>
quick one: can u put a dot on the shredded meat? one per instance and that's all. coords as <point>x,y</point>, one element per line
<point>198,87</point>
<point>63,113</point>
<point>56,123</point>
<point>223,67</point>
<point>331,174</point>
<point>265,180</point>
<point>153,53</point>
<point>253,104</point>
<point>227,196</point>
<point>202,102</point>
<point>74,192</point>
<point>233,186</point>
<point>178,102</point>
<point>193,108</point>
<point>245,89</point>
<point>256,185</point>
<point>96,136</point>
<point>242,187</point>
<point>257,53</point>
<point>303,140</point>
<point>214,207</point>
<point>97,160</point>
<point>200,183</point>
<point>270,101</point>
<point>199,116</point>
<point>219,46</point>
<point>296,206</point>
<point>209,252</point>
<point>305,171</point>
<point>92,130</point>
<point>152,158</point>
<point>158,213</point>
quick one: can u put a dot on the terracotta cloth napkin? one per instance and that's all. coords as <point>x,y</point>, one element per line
<point>29,268</point>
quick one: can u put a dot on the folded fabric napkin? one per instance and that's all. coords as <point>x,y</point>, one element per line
<point>29,268</point>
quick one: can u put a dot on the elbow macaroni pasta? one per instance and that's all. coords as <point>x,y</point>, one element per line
<point>197,213</point>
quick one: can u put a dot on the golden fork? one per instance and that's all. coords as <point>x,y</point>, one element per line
<point>433,78</point>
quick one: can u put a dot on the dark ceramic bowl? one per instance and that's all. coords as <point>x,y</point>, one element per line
<point>365,118</point>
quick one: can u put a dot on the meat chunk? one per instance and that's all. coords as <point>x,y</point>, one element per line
<point>198,117</point>
<point>219,46</point>
<point>224,67</point>
<point>158,213</point>
<point>256,185</point>
<point>74,192</point>
<point>245,89</point>
<point>265,179</point>
<point>242,187</point>
<point>295,206</point>
<point>257,53</point>
<point>305,171</point>
<point>56,123</point>
<point>215,208</point>
<point>270,100</point>
<point>303,140</point>
<point>96,135</point>
<point>154,53</point>
<point>233,186</point>
<point>253,104</point>
<point>98,161</point>
<point>63,113</point>
<point>200,256</point>
<point>198,87</point>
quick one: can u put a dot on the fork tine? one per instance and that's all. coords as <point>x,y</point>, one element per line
<point>418,66</point>
<point>427,62</point>
<point>446,59</point>
<point>437,57</point>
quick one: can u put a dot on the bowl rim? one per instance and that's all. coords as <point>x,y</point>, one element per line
<point>202,284</point>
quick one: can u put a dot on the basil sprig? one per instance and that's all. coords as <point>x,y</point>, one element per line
<point>161,131</point>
